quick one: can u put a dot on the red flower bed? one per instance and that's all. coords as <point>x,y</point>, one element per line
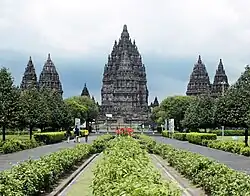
<point>124,131</point>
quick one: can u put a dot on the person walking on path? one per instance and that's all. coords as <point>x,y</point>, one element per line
<point>86,134</point>
<point>68,135</point>
<point>77,134</point>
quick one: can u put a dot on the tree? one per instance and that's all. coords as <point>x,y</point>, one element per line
<point>233,108</point>
<point>175,107</point>
<point>9,97</point>
<point>30,108</point>
<point>77,110</point>
<point>44,119</point>
<point>200,113</point>
<point>83,107</point>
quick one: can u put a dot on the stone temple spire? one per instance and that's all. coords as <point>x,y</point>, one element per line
<point>29,79</point>
<point>124,91</point>
<point>220,84</point>
<point>199,82</point>
<point>49,78</point>
<point>156,102</point>
<point>85,91</point>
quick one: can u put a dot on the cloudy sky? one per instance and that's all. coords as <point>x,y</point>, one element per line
<point>170,35</point>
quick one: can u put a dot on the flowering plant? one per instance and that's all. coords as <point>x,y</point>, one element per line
<point>124,131</point>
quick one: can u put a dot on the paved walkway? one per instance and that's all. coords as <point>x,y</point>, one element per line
<point>7,160</point>
<point>237,162</point>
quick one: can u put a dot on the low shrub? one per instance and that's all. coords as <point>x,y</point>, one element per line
<point>165,133</point>
<point>228,146</point>
<point>33,177</point>
<point>50,137</point>
<point>125,169</point>
<point>180,136</point>
<point>196,138</point>
<point>229,132</point>
<point>101,142</point>
<point>215,178</point>
<point>14,145</point>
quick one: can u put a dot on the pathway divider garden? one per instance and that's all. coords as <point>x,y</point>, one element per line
<point>210,140</point>
<point>215,178</point>
<point>34,177</point>
<point>126,169</point>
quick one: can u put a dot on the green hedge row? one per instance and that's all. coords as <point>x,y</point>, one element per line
<point>195,138</point>
<point>228,146</point>
<point>15,145</point>
<point>50,137</point>
<point>34,177</point>
<point>180,136</point>
<point>126,169</point>
<point>229,132</point>
<point>215,178</point>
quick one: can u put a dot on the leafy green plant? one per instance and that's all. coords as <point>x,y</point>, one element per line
<point>50,137</point>
<point>101,142</point>
<point>197,138</point>
<point>14,145</point>
<point>215,178</point>
<point>180,136</point>
<point>34,177</point>
<point>126,170</point>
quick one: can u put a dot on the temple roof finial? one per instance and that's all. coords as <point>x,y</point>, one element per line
<point>199,59</point>
<point>49,57</point>
<point>125,28</point>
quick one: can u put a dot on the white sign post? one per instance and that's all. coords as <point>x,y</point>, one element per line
<point>171,126</point>
<point>108,116</point>
<point>142,128</point>
<point>77,122</point>
<point>222,131</point>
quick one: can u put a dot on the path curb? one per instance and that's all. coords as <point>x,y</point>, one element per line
<point>67,181</point>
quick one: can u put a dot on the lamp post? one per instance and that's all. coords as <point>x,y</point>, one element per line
<point>222,93</point>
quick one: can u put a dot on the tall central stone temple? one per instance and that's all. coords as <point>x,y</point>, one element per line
<point>124,91</point>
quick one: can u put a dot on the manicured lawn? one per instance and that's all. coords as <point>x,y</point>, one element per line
<point>22,137</point>
<point>240,138</point>
<point>82,186</point>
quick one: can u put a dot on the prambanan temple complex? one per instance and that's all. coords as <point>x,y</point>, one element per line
<point>199,83</point>
<point>124,92</point>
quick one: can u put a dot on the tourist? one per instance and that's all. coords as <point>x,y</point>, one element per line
<point>86,134</point>
<point>68,135</point>
<point>77,133</point>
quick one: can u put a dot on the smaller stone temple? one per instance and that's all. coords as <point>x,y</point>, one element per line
<point>155,103</point>
<point>199,82</point>
<point>49,77</point>
<point>220,84</point>
<point>29,79</point>
<point>85,91</point>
